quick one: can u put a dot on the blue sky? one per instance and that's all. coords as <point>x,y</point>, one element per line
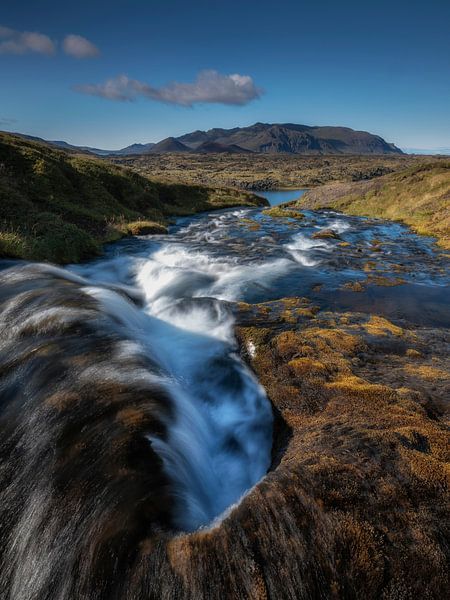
<point>379,66</point>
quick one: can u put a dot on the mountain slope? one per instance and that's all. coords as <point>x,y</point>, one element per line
<point>287,138</point>
<point>61,207</point>
<point>169,144</point>
<point>217,148</point>
<point>293,139</point>
<point>132,149</point>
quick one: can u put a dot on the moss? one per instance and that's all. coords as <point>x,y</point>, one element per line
<point>365,441</point>
<point>326,234</point>
<point>306,367</point>
<point>353,385</point>
<point>283,213</point>
<point>385,281</point>
<point>62,207</point>
<point>256,335</point>
<point>412,353</point>
<point>419,196</point>
<point>145,228</point>
<point>380,326</point>
<point>426,372</point>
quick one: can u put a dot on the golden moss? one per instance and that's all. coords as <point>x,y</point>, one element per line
<point>335,339</point>
<point>144,228</point>
<point>426,372</point>
<point>325,234</point>
<point>356,386</point>
<point>380,326</point>
<point>283,213</point>
<point>306,366</point>
<point>412,353</point>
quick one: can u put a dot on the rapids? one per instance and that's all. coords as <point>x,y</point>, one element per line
<point>172,297</point>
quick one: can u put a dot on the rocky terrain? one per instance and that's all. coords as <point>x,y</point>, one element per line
<point>263,171</point>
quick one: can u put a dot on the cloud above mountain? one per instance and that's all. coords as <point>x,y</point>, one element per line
<point>23,42</point>
<point>209,87</point>
<point>79,47</point>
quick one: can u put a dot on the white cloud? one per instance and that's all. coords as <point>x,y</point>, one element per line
<point>79,47</point>
<point>209,87</point>
<point>22,42</point>
<point>6,32</point>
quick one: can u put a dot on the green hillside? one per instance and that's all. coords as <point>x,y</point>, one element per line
<point>62,207</point>
<point>419,196</point>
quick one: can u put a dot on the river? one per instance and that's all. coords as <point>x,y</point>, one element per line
<point>172,298</point>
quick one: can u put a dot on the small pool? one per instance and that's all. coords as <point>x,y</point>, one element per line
<point>276,197</point>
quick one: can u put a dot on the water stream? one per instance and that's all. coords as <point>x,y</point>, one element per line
<point>172,295</point>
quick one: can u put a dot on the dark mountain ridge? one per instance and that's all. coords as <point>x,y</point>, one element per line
<point>293,139</point>
<point>272,138</point>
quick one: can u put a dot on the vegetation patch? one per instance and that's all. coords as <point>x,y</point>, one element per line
<point>380,326</point>
<point>260,171</point>
<point>419,196</point>
<point>367,445</point>
<point>62,207</point>
<point>283,213</point>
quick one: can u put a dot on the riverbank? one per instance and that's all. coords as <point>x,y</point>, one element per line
<point>61,207</point>
<point>418,196</point>
<point>361,437</point>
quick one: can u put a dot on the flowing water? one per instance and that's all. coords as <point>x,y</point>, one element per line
<point>172,295</point>
<point>276,197</point>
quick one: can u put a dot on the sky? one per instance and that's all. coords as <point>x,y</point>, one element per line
<point>108,74</point>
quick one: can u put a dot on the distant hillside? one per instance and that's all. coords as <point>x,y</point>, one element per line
<point>419,196</point>
<point>58,206</point>
<point>292,139</point>
<point>133,149</point>
<point>217,148</point>
<point>269,138</point>
<point>170,144</point>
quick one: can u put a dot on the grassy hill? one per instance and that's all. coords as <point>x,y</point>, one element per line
<point>419,196</point>
<point>62,207</point>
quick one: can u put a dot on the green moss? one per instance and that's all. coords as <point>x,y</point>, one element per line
<point>418,196</point>
<point>62,207</point>
<point>144,228</point>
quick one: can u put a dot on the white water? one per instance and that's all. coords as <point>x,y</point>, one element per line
<point>219,440</point>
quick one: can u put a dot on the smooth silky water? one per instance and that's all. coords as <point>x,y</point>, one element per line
<point>173,295</point>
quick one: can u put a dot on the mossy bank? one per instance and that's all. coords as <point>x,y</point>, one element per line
<point>419,196</point>
<point>62,207</point>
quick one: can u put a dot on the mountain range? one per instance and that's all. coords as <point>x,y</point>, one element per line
<point>275,138</point>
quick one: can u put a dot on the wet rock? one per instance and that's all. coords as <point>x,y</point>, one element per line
<point>326,234</point>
